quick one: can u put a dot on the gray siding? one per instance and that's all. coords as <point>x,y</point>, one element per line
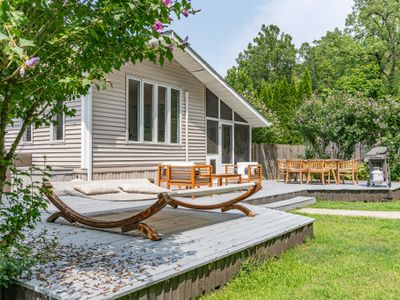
<point>66,154</point>
<point>110,148</point>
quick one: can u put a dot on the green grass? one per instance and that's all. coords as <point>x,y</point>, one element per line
<point>379,206</point>
<point>349,258</point>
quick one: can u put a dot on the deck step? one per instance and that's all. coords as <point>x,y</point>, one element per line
<point>290,204</point>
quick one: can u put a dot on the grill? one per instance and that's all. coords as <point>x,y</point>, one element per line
<point>378,164</point>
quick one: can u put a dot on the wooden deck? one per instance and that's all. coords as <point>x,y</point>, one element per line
<point>200,251</point>
<point>277,191</point>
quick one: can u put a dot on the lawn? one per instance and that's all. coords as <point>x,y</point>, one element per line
<point>349,258</point>
<point>382,206</point>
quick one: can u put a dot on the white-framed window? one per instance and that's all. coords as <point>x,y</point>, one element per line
<point>28,135</point>
<point>57,129</point>
<point>220,116</point>
<point>153,112</point>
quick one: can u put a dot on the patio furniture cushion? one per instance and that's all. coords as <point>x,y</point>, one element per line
<point>96,188</point>
<point>142,187</point>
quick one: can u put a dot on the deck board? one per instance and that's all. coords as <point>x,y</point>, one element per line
<point>113,264</point>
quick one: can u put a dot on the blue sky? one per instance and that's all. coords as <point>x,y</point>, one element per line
<point>224,28</point>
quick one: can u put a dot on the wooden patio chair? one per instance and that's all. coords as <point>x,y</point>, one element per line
<point>190,176</point>
<point>348,168</point>
<point>281,169</point>
<point>249,171</point>
<point>296,167</point>
<point>318,167</point>
<point>163,172</point>
<point>57,195</point>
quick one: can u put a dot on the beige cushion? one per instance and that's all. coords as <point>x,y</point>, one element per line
<point>96,188</point>
<point>142,187</point>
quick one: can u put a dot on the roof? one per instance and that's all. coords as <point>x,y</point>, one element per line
<point>200,69</point>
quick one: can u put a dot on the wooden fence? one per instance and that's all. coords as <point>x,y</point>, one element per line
<point>268,155</point>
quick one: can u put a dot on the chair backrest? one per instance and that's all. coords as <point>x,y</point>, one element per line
<point>348,165</point>
<point>281,164</point>
<point>295,164</point>
<point>190,173</point>
<point>315,164</point>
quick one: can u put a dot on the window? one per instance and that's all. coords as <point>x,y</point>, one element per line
<point>57,130</point>
<point>154,112</point>
<point>211,104</point>
<point>148,112</point>
<point>226,111</point>
<point>175,112</point>
<point>28,135</point>
<point>134,110</point>
<point>238,118</point>
<point>242,148</point>
<point>212,137</point>
<point>162,113</point>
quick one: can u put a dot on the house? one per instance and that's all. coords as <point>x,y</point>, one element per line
<point>181,111</point>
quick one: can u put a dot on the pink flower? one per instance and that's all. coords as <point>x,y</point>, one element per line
<point>185,13</point>
<point>170,48</point>
<point>32,62</point>
<point>167,3</point>
<point>158,26</point>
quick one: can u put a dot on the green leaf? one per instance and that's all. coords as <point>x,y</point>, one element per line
<point>26,43</point>
<point>3,37</point>
<point>18,50</point>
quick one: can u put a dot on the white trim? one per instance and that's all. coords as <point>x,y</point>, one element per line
<point>52,140</point>
<point>187,125</point>
<point>86,134</point>
<point>188,50</point>
<point>251,144</point>
<point>225,85</point>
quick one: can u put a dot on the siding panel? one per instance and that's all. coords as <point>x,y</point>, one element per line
<point>110,148</point>
<point>66,154</point>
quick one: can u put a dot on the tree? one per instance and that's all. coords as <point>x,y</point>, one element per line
<point>376,24</point>
<point>332,127</point>
<point>305,86</point>
<point>271,56</point>
<point>52,52</point>
<point>365,80</point>
<point>333,56</point>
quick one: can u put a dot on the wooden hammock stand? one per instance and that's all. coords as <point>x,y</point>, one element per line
<point>163,199</point>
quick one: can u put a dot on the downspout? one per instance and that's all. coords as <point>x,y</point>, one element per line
<point>187,125</point>
<point>86,135</point>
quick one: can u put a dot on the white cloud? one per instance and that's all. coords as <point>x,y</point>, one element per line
<point>304,20</point>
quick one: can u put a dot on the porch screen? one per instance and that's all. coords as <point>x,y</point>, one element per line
<point>211,104</point>
<point>134,110</point>
<point>242,143</point>
<point>212,137</point>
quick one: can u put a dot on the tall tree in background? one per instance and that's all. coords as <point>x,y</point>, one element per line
<point>333,56</point>
<point>271,56</point>
<point>376,24</point>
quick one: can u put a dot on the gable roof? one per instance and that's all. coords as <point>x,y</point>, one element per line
<point>200,69</point>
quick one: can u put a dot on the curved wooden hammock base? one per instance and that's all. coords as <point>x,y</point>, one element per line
<point>135,221</point>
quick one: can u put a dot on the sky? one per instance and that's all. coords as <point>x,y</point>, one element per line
<point>224,28</point>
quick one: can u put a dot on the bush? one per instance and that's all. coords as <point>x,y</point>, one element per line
<point>20,210</point>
